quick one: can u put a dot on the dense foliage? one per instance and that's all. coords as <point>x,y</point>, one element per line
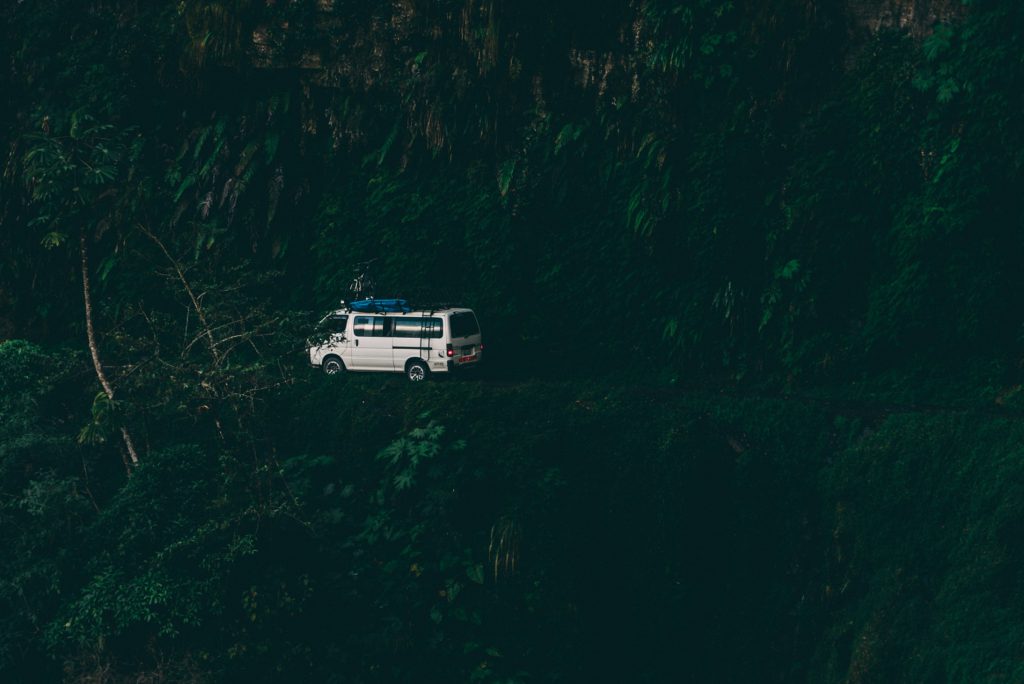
<point>636,198</point>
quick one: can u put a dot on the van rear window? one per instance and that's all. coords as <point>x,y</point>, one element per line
<point>464,324</point>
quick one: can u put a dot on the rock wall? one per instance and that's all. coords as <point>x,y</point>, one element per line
<point>917,17</point>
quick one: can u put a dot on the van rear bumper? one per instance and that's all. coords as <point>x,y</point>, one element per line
<point>453,366</point>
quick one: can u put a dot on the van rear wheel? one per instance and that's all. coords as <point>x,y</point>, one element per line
<point>416,371</point>
<point>333,365</point>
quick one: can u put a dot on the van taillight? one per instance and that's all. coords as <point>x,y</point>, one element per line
<point>481,346</point>
<point>451,352</point>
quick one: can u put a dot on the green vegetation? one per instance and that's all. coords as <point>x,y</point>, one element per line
<point>750,280</point>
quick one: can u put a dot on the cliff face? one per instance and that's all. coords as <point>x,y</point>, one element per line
<point>916,17</point>
<point>330,48</point>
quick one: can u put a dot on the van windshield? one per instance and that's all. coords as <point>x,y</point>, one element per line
<point>332,324</point>
<point>464,324</point>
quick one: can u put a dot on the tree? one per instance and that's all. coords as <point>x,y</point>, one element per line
<point>75,183</point>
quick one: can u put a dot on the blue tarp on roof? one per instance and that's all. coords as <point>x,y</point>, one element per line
<point>381,306</point>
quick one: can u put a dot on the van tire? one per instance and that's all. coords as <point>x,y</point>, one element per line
<point>333,365</point>
<point>417,371</point>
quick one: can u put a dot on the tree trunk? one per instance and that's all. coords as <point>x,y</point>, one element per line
<point>94,350</point>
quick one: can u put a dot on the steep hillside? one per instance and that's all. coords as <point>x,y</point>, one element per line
<point>749,279</point>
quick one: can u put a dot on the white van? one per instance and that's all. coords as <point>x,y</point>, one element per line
<point>416,343</point>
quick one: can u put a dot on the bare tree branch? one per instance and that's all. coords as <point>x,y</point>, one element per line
<point>217,358</point>
<point>95,352</point>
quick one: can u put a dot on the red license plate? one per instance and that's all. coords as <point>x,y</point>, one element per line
<point>471,357</point>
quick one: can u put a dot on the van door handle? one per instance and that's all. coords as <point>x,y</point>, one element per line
<point>357,343</point>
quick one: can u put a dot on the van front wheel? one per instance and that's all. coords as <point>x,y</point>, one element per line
<point>416,371</point>
<point>333,365</point>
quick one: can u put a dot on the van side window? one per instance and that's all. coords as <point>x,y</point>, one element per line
<point>373,326</point>
<point>417,327</point>
<point>408,327</point>
<point>364,326</point>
